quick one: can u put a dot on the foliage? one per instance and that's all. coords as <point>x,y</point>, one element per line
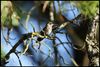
<point>88,8</point>
<point>9,16</point>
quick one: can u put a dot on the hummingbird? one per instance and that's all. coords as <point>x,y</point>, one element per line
<point>47,30</point>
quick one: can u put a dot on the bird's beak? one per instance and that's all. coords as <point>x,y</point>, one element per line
<point>55,26</point>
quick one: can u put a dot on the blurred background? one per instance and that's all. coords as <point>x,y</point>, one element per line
<point>45,56</point>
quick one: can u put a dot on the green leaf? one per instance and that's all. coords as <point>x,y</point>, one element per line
<point>4,11</point>
<point>15,19</point>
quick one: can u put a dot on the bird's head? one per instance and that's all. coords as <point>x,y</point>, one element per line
<point>50,26</point>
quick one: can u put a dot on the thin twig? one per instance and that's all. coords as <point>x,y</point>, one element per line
<point>55,51</point>
<point>45,5</point>
<point>71,6</point>
<point>28,15</point>
<point>63,60</point>
<point>7,42</point>
<point>68,53</point>
<point>24,37</point>
<point>18,59</point>
<point>59,5</point>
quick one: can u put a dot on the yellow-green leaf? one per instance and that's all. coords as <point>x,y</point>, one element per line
<point>15,19</point>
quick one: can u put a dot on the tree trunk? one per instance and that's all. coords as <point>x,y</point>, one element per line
<point>92,40</point>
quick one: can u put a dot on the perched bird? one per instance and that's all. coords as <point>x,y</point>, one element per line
<point>46,30</point>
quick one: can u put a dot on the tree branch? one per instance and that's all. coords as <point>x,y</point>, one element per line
<point>24,37</point>
<point>93,43</point>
